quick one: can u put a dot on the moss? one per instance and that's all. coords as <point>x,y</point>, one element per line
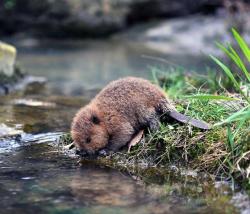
<point>205,152</point>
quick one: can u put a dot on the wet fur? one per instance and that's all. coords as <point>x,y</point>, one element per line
<point>117,113</point>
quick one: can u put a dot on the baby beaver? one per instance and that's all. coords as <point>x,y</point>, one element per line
<point>119,112</point>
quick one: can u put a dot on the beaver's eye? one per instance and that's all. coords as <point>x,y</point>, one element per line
<point>95,119</point>
<point>88,140</point>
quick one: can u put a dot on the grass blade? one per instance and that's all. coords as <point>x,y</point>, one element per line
<point>242,115</point>
<point>235,57</point>
<point>240,63</point>
<point>209,97</point>
<point>227,52</point>
<point>230,139</point>
<point>230,76</point>
<point>242,44</point>
<point>227,71</point>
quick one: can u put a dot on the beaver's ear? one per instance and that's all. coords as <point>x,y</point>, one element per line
<point>95,119</point>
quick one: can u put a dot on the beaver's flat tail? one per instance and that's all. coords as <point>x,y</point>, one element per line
<point>186,119</point>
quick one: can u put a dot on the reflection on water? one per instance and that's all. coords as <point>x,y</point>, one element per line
<point>39,179</point>
<point>53,113</point>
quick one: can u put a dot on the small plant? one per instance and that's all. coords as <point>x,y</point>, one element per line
<point>241,118</point>
<point>236,79</point>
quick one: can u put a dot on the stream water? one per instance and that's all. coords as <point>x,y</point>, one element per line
<point>36,178</point>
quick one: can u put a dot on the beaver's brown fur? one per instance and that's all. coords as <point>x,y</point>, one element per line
<point>117,113</point>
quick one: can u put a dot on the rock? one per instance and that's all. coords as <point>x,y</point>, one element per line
<point>11,76</point>
<point>7,58</point>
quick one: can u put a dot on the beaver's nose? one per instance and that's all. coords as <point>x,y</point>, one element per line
<point>81,152</point>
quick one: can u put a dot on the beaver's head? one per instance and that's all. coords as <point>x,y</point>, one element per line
<point>89,131</point>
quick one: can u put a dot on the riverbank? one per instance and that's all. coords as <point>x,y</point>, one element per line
<point>181,146</point>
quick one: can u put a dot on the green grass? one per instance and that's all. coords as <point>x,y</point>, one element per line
<point>222,151</point>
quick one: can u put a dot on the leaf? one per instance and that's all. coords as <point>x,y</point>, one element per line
<point>135,140</point>
<point>242,115</point>
<point>229,54</point>
<point>240,63</point>
<point>236,58</point>
<point>239,126</point>
<point>230,139</point>
<point>210,97</point>
<point>243,45</point>
<point>227,71</point>
<point>230,76</point>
